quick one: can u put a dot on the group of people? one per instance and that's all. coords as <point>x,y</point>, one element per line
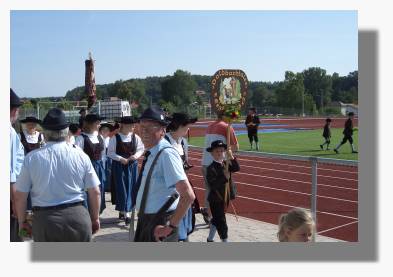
<point>59,177</point>
<point>348,133</point>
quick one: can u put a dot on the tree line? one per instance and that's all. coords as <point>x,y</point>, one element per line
<point>313,88</point>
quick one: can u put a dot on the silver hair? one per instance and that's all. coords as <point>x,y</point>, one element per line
<point>59,135</point>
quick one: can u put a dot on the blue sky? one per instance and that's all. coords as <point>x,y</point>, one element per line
<point>48,48</point>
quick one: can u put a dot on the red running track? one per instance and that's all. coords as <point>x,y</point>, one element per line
<point>268,187</point>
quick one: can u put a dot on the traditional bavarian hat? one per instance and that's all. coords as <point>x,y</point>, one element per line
<point>216,144</point>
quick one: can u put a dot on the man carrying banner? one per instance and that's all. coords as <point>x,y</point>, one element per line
<point>161,180</point>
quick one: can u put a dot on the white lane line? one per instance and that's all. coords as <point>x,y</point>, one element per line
<point>293,172</point>
<point>291,180</point>
<point>285,164</point>
<point>338,227</point>
<point>290,191</point>
<point>289,206</point>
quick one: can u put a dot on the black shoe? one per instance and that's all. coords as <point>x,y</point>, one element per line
<point>335,150</point>
<point>209,240</point>
<point>121,216</point>
<point>354,151</point>
<point>321,146</point>
<point>128,221</point>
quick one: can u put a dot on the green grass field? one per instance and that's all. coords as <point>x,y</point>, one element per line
<point>303,143</point>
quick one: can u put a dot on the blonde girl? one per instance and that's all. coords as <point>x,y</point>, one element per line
<point>295,226</point>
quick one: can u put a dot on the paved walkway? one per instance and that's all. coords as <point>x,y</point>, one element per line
<point>244,230</point>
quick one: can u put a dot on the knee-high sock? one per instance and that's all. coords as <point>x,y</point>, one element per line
<point>353,147</point>
<point>212,232</point>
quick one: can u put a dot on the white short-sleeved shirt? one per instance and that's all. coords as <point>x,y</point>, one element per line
<point>56,174</point>
<point>167,172</point>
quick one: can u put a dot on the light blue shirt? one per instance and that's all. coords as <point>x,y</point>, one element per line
<point>166,173</point>
<point>17,155</point>
<point>55,174</point>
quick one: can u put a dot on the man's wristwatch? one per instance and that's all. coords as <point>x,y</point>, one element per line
<point>168,223</point>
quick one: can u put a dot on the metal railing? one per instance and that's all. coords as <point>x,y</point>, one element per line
<point>314,172</point>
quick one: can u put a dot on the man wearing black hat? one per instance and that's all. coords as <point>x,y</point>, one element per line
<point>16,159</point>
<point>348,132</point>
<point>57,186</point>
<point>252,123</point>
<point>161,180</point>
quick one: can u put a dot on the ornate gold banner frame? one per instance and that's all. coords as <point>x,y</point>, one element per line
<point>228,90</point>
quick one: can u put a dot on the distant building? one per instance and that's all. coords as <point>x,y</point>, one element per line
<point>345,108</point>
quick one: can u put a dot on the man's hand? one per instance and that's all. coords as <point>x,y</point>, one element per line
<point>161,232</point>
<point>230,154</point>
<point>25,230</point>
<point>95,225</point>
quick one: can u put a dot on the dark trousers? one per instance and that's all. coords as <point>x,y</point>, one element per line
<point>218,218</point>
<point>68,224</point>
<point>347,138</point>
<point>252,135</point>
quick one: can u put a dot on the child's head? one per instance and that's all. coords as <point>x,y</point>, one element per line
<point>351,115</point>
<point>217,150</point>
<point>295,226</point>
<point>328,120</point>
<point>105,129</point>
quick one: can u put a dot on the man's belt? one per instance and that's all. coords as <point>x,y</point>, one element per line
<point>57,207</point>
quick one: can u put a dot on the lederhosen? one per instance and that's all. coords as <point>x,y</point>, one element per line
<point>217,180</point>
<point>94,151</point>
<point>195,208</point>
<point>123,177</point>
<point>348,132</point>
<point>28,148</point>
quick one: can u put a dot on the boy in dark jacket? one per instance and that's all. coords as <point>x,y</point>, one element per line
<point>326,134</point>
<point>217,181</point>
<point>348,132</point>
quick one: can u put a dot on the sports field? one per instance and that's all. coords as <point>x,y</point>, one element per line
<point>303,143</point>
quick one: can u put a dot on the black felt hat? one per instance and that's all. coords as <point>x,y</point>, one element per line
<point>328,120</point>
<point>154,114</point>
<point>31,119</point>
<point>92,117</point>
<point>216,144</point>
<point>182,119</point>
<point>55,120</point>
<point>128,120</point>
<point>350,113</point>
<point>106,125</point>
<point>14,99</point>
